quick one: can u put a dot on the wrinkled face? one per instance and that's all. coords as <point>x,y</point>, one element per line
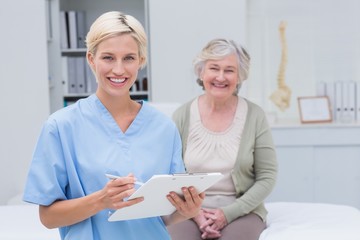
<point>116,64</point>
<point>220,77</point>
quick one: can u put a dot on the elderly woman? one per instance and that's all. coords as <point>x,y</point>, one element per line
<point>223,132</point>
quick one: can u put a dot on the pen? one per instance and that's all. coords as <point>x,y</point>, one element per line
<point>113,177</point>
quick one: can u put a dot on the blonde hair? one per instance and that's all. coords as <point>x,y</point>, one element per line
<point>114,23</point>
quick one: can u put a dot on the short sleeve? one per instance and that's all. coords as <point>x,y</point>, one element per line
<point>47,179</point>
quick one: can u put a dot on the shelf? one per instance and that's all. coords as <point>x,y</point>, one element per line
<point>82,95</point>
<point>73,97</point>
<point>330,135</point>
<point>77,95</point>
<point>137,93</point>
<point>296,124</point>
<point>73,52</point>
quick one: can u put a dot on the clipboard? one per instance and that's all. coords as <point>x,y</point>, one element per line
<point>155,190</point>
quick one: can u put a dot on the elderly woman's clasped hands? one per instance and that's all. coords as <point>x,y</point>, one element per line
<point>210,222</point>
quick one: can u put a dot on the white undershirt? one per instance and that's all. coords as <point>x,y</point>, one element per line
<point>209,151</point>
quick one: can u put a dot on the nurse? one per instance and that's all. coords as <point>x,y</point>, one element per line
<point>107,133</point>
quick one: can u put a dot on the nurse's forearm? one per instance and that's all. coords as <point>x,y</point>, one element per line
<point>68,212</point>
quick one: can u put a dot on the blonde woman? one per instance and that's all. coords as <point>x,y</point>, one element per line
<point>107,133</point>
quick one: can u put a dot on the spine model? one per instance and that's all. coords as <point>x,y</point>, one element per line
<point>281,96</point>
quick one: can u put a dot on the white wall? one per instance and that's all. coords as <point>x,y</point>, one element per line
<point>24,100</point>
<point>323,39</point>
<point>178,31</point>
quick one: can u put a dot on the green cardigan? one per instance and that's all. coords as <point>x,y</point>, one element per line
<point>255,170</point>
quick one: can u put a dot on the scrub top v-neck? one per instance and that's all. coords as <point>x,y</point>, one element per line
<point>79,144</point>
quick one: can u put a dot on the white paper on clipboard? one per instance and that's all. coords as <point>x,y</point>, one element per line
<point>155,190</point>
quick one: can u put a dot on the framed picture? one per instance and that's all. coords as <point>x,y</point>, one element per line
<point>314,109</point>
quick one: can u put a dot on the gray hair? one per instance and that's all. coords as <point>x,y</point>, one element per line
<point>217,49</point>
<point>114,23</point>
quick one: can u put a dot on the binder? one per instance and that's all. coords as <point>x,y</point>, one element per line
<point>154,191</point>
<point>71,73</point>
<point>358,101</point>
<point>72,29</point>
<point>345,116</point>
<point>91,84</point>
<point>348,95</point>
<point>352,100</point>
<point>80,74</point>
<point>330,93</point>
<point>338,101</point>
<point>81,29</point>
<point>64,74</point>
<point>64,40</point>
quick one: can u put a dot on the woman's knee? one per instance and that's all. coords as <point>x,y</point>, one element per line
<point>185,230</point>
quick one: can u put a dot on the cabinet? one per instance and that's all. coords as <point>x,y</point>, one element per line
<point>176,33</point>
<point>318,163</point>
<point>68,63</point>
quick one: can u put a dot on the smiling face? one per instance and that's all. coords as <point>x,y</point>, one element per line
<point>115,64</point>
<point>220,77</point>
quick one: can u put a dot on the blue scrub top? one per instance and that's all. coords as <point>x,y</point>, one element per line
<point>80,143</point>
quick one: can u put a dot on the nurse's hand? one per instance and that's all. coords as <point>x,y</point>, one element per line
<point>116,190</point>
<point>67,212</point>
